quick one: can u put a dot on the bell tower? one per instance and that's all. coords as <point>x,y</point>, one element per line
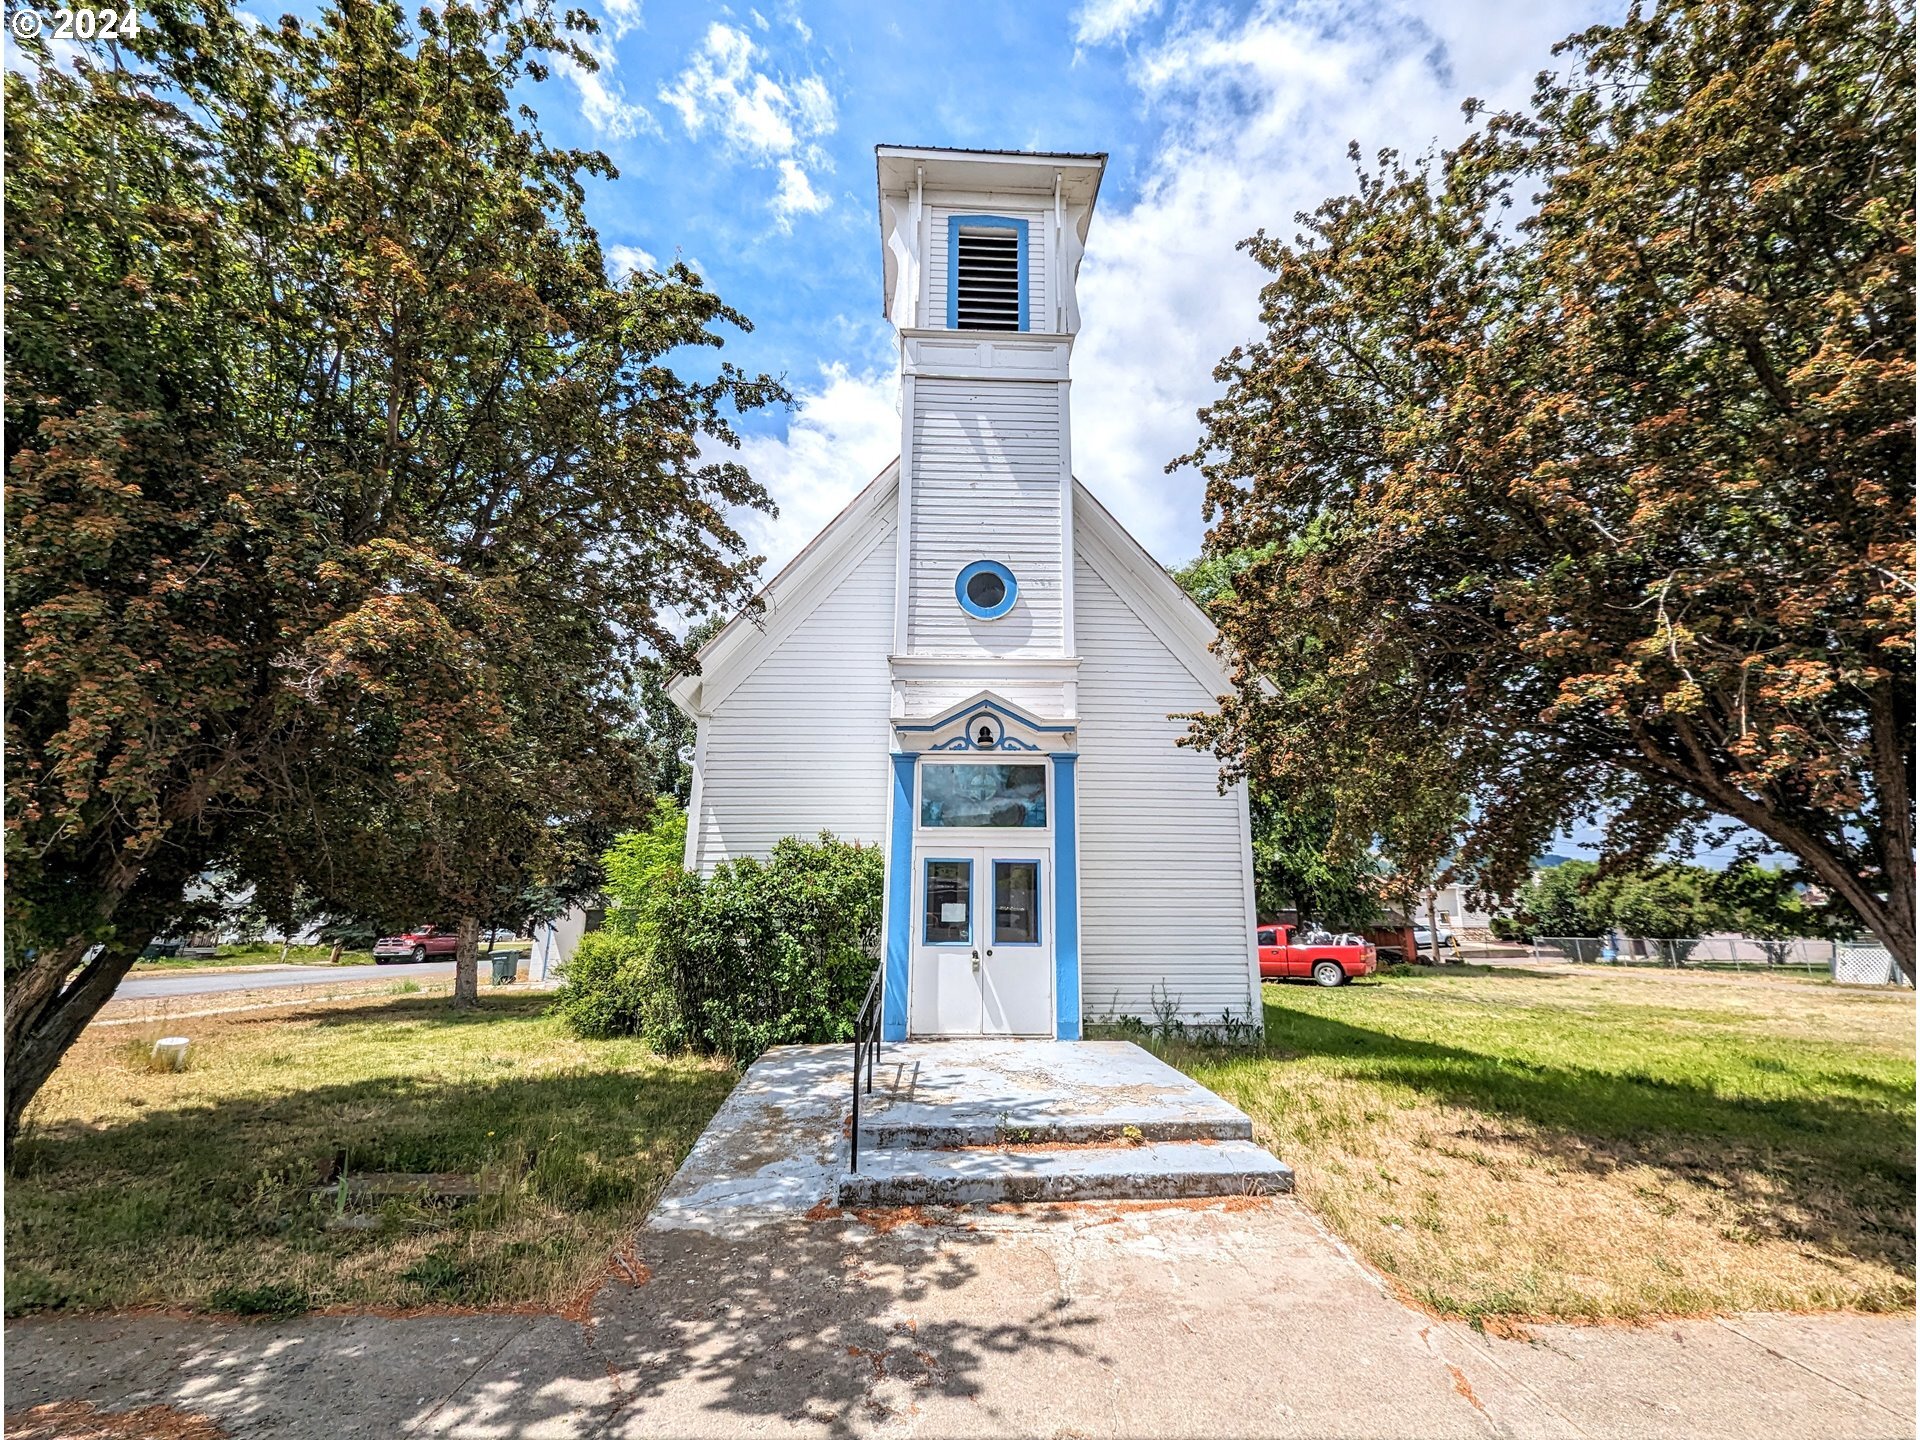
<point>981,253</point>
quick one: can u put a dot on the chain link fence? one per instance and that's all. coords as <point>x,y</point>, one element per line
<point>1847,962</point>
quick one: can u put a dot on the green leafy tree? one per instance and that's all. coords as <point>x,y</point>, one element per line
<point>1557,902</point>
<point>640,862</point>
<point>346,494</point>
<point>1301,860</point>
<point>1665,902</point>
<point>1609,507</point>
<point>1770,906</point>
<point>667,735</point>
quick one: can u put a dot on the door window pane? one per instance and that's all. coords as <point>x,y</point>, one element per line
<point>996,796</point>
<point>949,917</point>
<point>1016,902</point>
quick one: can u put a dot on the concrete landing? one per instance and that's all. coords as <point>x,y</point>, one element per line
<point>1162,1170</point>
<point>961,1122</point>
<point>933,1094</point>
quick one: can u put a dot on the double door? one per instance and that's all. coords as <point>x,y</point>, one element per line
<point>983,951</point>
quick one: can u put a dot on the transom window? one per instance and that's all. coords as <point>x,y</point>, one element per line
<point>975,796</point>
<point>986,273</point>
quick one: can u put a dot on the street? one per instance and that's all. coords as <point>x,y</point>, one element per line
<point>158,986</point>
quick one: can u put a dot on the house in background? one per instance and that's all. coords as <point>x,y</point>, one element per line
<point>977,668</point>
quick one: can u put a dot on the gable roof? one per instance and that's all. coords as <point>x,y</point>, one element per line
<point>1141,582</point>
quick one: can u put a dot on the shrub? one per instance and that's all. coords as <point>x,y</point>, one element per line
<point>764,953</point>
<point>601,995</point>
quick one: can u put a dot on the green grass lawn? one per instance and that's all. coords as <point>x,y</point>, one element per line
<point>196,1189</point>
<point>1565,1142</point>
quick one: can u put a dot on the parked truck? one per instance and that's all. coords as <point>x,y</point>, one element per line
<point>1289,952</point>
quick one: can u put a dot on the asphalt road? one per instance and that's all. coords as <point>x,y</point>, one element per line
<point>157,986</point>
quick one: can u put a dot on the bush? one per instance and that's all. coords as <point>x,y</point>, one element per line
<point>764,953</point>
<point>1506,927</point>
<point>603,987</point>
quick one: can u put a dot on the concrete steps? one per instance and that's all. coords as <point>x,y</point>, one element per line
<point>916,1129</point>
<point>1155,1170</point>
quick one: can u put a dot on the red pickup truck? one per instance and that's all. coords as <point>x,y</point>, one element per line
<point>1334,961</point>
<point>428,940</point>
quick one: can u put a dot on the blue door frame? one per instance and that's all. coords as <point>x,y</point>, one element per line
<point>1066,887</point>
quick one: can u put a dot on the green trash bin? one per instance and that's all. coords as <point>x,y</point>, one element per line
<point>505,964</point>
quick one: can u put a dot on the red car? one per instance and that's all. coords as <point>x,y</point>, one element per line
<point>1324,959</point>
<point>415,945</point>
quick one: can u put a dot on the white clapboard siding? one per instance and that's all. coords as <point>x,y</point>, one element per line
<point>1163,898</point>
<point>1039,315</point>
<point>800,745</point>
<point>986,485</point>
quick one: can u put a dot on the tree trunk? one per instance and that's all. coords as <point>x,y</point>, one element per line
<point>34,1048</point>
<point>466,965</point>
<point>1433,930</point>
<point>338,946</point>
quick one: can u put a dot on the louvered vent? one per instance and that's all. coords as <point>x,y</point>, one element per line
<point>987,284</point>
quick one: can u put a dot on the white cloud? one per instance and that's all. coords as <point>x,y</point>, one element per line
<point>1099,21</point>
<point>841,434</point>
<point>762,118</point>
<point>603,104</point>
<point>623,15</point>
<point>796,195</point>
<point>627,259</point>
<point>1255,118</point>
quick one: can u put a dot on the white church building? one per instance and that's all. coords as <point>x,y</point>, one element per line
<point>975,667</point>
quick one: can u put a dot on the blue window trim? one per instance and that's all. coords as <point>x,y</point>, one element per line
<point>981,222</point>
<point>973,900</point>
<point>986,567</point>
<point>893,989</point>
<point>1039,894</point>
<point>1066,901</point>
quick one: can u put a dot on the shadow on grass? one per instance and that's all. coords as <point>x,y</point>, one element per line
<point>1846,1158</point>
<point>213,1204</point>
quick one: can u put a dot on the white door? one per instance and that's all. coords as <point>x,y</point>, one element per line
<point>946,941</point>
<point>1016,961</point>
<point>982,942</point>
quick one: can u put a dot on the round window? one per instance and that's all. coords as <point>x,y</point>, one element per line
<point>986,589</point>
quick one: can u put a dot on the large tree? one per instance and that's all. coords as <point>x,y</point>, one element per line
<point>346,492</point>
<point>1602,503</point>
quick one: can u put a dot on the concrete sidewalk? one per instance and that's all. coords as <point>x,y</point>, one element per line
<point>1181,1319</point>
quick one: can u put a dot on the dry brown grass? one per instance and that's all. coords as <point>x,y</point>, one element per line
<point>1582,1145</point>
<point>82,1420</point>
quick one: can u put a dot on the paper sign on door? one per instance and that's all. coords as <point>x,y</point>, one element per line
<point>954,914</point>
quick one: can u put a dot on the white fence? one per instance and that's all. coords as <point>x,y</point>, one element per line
<point>1848,962</point>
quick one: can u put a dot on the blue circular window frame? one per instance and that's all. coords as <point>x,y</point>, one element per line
<point>986,567</point>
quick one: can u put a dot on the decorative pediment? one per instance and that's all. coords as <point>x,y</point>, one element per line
<point>984,723</point>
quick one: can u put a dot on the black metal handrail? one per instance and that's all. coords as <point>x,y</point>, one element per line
<point>866,1045</point>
